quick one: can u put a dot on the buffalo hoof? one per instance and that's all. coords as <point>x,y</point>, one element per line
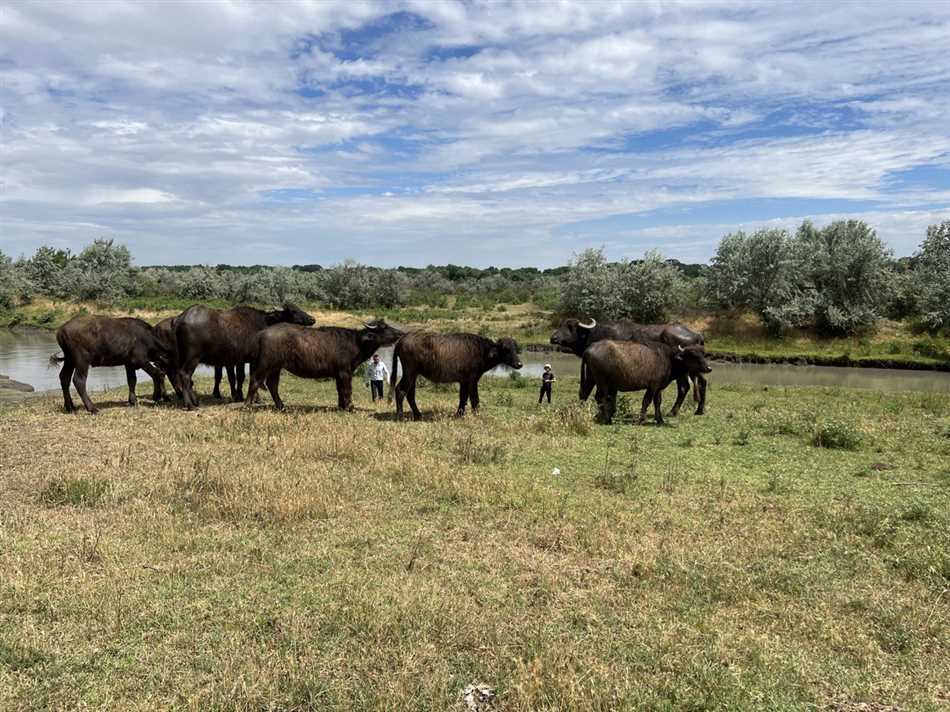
<point>93,411</point>
<point>217,396</point>
<point>700,412</point>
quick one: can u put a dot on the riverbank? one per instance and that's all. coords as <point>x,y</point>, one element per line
<point>11,390</point>
<point>735,338</point>
<point>768,554</point>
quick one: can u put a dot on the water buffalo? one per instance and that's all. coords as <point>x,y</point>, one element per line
<point>448,358</point>
<point>89,341</point>
<point>165,331</point>
<point>576,336</point>
<point>224,338</point>
<point>615,366</point>
<point>325,352</point>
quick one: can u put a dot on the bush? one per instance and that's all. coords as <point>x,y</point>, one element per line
<point>836,435</point>
<point>10,287</point>
<point>759,272</point>
<point>849,269</point>
<point>931,280</point>
<point>643,291</point>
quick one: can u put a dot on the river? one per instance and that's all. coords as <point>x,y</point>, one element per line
<point>24,356</point>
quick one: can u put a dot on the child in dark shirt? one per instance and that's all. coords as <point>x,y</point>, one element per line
<point>547,378</point>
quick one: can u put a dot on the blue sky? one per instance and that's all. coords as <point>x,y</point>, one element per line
<point>497,133</point>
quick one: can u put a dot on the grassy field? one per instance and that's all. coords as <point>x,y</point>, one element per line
<point>788,551</point>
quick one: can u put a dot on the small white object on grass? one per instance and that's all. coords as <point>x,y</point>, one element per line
<point>556,471</point>
<point>478,697</point>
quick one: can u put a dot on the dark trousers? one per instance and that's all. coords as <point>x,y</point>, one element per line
<point>545,388</point>
<point>377,388</point>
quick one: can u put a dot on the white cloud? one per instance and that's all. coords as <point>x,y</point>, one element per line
<point>497,127</point>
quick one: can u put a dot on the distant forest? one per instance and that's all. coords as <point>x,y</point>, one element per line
<point>839,279</point>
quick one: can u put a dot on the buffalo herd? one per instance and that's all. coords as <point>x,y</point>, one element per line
<point>615,356</point>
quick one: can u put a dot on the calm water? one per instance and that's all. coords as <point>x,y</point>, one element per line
<point>25,357</point>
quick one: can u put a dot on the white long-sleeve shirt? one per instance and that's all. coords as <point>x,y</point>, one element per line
<point>376,371</point>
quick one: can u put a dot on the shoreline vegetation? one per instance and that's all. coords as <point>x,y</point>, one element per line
<point>768,554</point>
<point>738,338</point>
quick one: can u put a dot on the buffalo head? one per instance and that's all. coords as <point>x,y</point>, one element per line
<point>291,314</point>
<point>381,332</point>
<point>573,335</point>
<point>506,351</point>
<point>693,359</point>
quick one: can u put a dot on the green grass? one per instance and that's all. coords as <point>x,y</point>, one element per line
<point>321,560</point>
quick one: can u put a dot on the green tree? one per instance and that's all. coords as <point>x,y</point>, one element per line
<point>644,291</point>
<point>850,272</point>
<point>932,278</point>
<point>102,272</point>
<point>650,288</point>
<point>761,272</point>
<point>46,271</point>
<point>10,284</point>
<point>591,287</point>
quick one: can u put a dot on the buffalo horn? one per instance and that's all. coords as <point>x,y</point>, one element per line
<point>593,323</point>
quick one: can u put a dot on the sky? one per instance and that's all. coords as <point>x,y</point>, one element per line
<point>427,132</point>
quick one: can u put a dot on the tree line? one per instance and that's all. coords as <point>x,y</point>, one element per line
<point>840,279</point>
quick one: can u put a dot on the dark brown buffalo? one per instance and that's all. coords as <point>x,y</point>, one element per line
<point>448,358</point>
<point>324,352</point>
<point>224,338</point>
<point>89,341</point>
<point>614,366</point>
<point>165,331</point>
<point>575,336</point>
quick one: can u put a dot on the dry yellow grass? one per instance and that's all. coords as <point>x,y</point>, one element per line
<point>226,559</point>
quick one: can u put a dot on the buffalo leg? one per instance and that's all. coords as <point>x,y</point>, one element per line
<point>253,384</point>
<point>601,399</point>
<point>185,377</point>
<point>158,380</point>
<point>130,377</point>
<point>701,387</point>
<point>647,398</point>
<point>657,398</point>
<point>463,399</point>
<point>218,373</point>
<point>273,385</point>
<point>411,397</point>
<point>344,390</point>
<point>79,380</point>
<point>239,379</point>
<point>473,396</point>
<point>65,374</point>
<point>400,394</point>
<point>682,388</point>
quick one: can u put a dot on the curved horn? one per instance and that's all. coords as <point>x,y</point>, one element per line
<point>680,347</point>
<point>593,323</point>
